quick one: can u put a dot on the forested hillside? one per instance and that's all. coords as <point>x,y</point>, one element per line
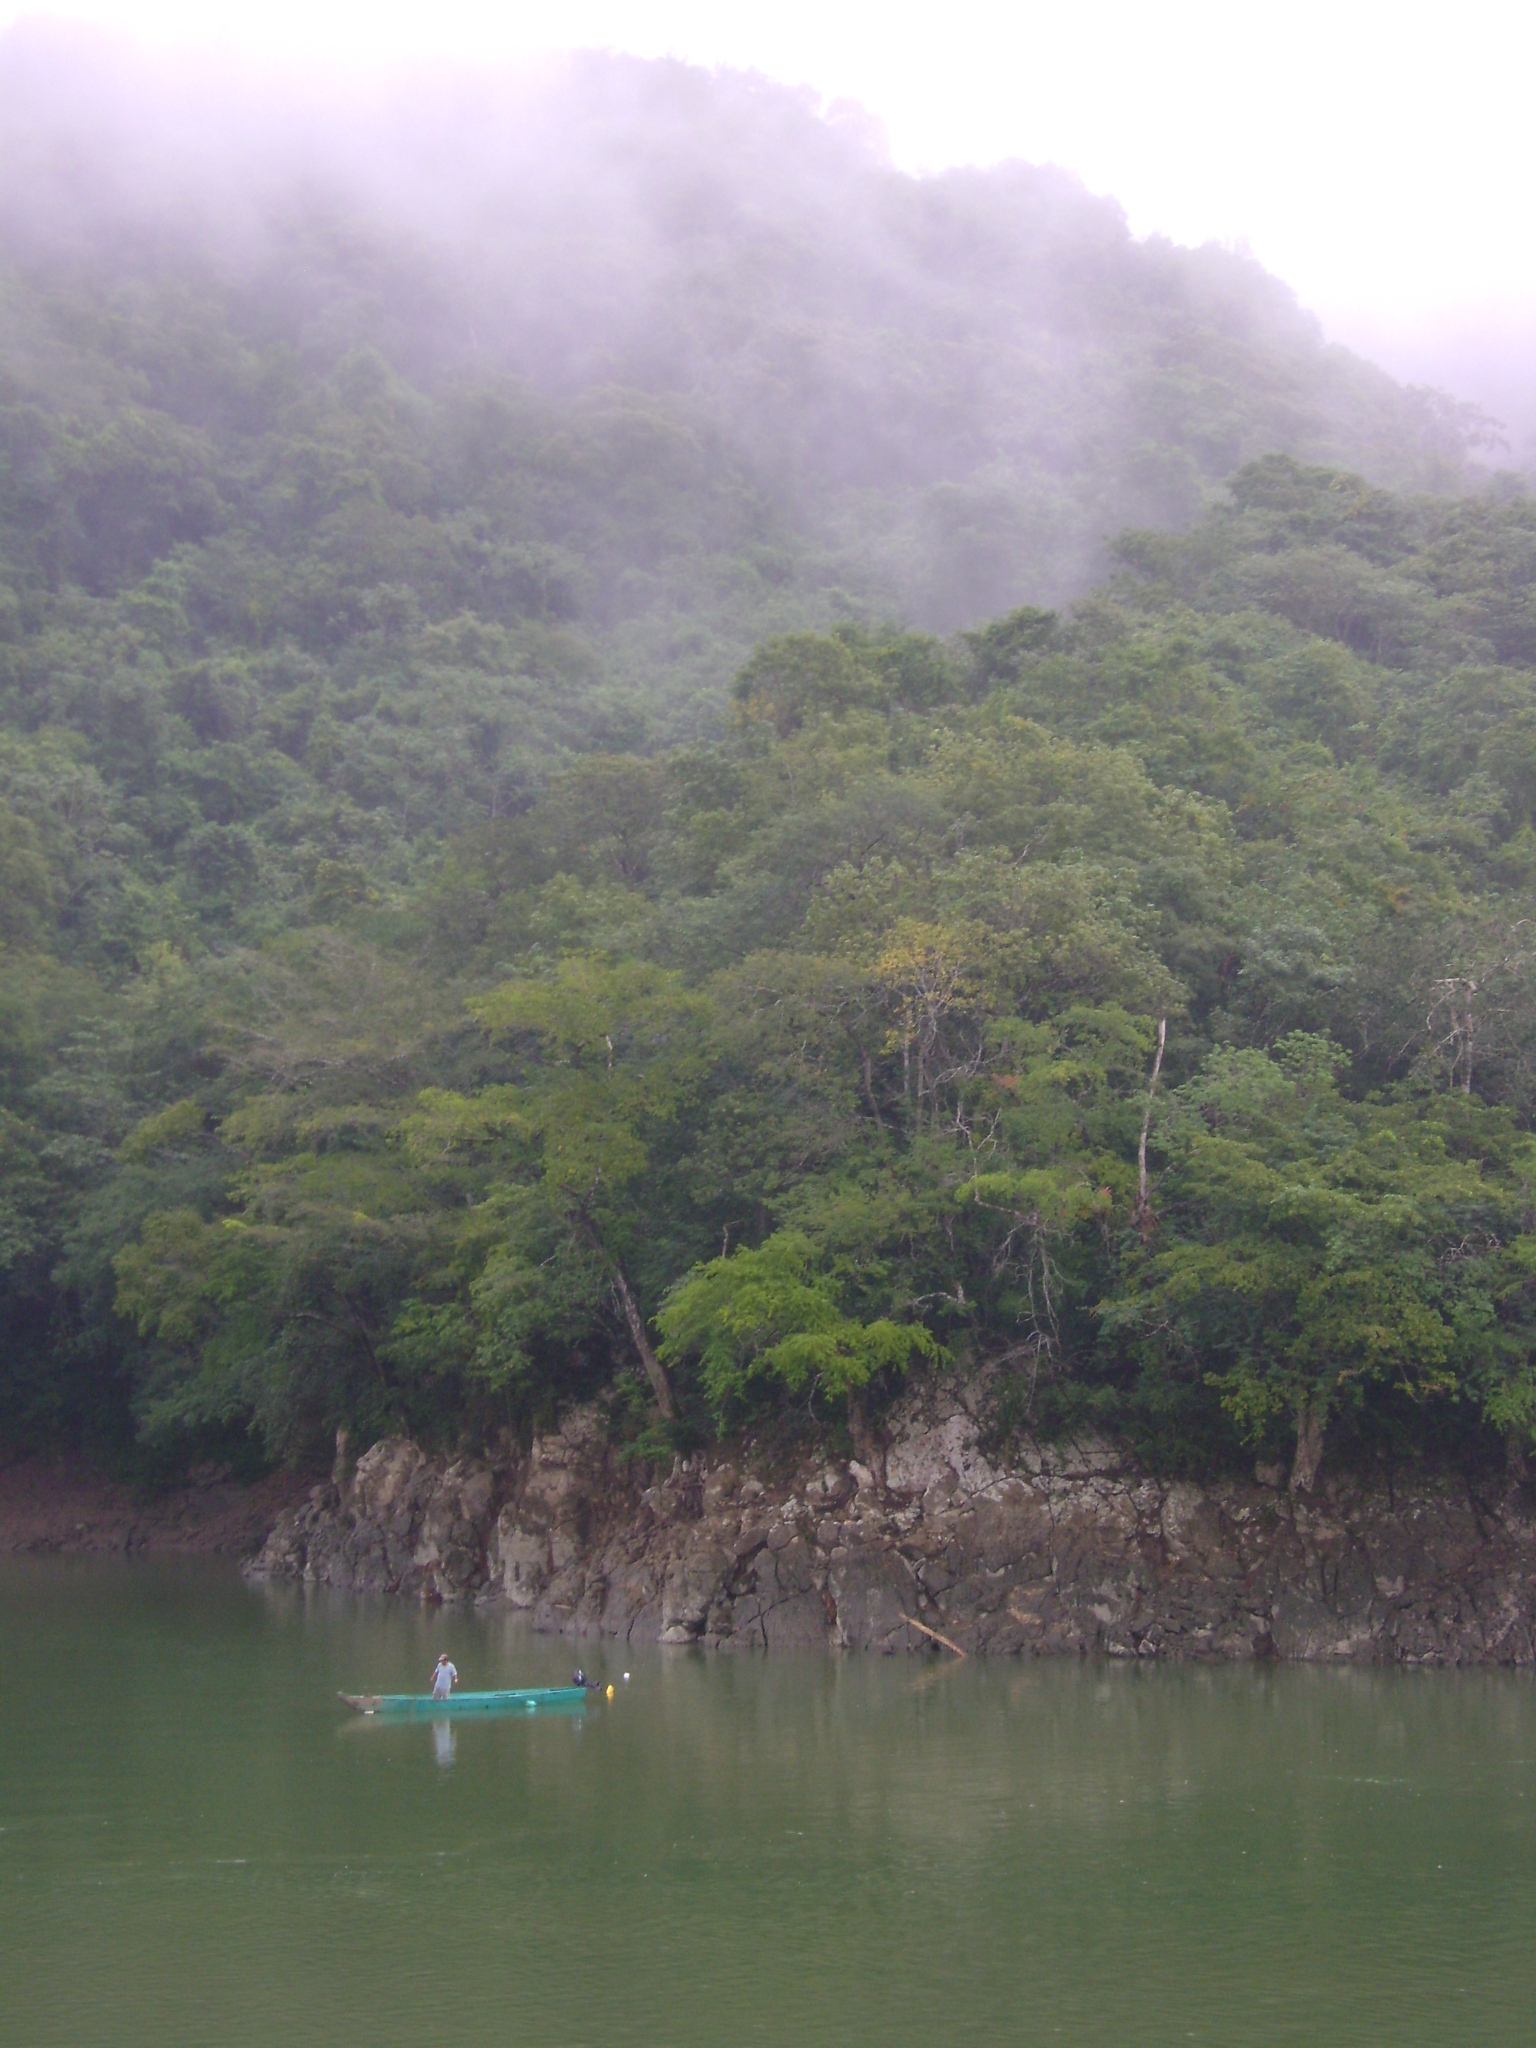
<point>494,912</point>
<point>663,357</point>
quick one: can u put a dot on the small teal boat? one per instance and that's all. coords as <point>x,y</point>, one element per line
<point>524,1699</point>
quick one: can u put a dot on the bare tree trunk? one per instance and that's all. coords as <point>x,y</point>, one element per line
<point>1466,1077</point>
<point>1141,1215</point>
<point>1311,1419</point>
<point>655,1371</point>
<point>1457,995</point>
<point>867,1065</point>
<point>341,1469</point>
<point>1516,1466</point>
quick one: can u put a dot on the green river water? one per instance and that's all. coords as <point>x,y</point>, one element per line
<point>199,1845</point>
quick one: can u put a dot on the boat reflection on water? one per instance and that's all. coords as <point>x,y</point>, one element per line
<point>447,1728</point>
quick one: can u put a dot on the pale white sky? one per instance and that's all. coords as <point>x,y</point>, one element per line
<point>1376,156</point>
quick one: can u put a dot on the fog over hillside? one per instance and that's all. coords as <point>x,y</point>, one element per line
<point>942,396</point>
<point>497,859</point>
<point>1485,353</point>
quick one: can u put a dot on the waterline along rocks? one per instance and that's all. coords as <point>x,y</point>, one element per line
<point>1067,1549</point>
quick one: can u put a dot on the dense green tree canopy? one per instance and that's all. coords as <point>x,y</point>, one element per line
<point>762,1071</point>
<point>489,914</point>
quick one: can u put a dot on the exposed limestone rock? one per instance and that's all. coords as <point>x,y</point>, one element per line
<point>1069,1549</point>
<point>405,1524</point>
<point>541,1531</point>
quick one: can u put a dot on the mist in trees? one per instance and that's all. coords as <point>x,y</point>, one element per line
<point>641,759</point>
<point>950,391</point>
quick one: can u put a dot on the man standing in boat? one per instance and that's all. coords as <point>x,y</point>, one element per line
<point>444,1678</point>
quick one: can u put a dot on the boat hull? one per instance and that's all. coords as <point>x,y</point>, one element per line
<point>522,1699</point>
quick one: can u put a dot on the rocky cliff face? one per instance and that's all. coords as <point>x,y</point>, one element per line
<point>1068,1550</point>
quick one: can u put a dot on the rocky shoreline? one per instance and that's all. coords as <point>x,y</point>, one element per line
<point>1066,1550</point>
